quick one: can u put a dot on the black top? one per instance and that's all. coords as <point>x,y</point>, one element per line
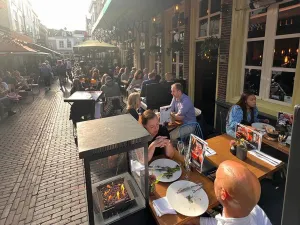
<point>163,131</point>
<point>134,113</point>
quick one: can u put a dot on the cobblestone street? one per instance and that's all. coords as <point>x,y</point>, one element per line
<point>42,180</point>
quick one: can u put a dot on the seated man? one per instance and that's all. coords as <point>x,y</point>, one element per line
<point>151,80</point>
<point>182,108</point>
<point>238,190</point>
<point>110,88</point>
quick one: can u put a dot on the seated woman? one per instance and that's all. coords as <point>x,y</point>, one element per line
<point>134,103</point>
<point>77,86</point>
<point>243,112</point>
<point>160,144</point>
<point>136,82</point>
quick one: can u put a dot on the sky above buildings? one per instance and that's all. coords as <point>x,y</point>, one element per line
<point>59,14</point>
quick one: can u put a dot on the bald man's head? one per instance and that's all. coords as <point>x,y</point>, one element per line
<point>236,188</point>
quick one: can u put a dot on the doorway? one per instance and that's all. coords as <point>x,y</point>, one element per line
<point>205,86</point>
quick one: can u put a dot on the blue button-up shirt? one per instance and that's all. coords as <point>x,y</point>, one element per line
<point>184,107</point>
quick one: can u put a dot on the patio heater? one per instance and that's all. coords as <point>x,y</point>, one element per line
<point>114,150</point>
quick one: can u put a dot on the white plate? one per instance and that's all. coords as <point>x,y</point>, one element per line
<point>181,204</point>
<point>162,163</point>
<point>260,126</point>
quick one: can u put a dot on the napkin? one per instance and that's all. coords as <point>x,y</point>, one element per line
<point>209,152</point>
<point>162,207</point>
<point>137,167</point>
<point>266,158</point>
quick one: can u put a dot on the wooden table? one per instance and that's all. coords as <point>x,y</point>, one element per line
<point>161,191</point>
<point>221,145</point>
<point>276,145</point>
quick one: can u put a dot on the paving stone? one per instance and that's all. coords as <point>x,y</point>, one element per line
<point>42,178</point>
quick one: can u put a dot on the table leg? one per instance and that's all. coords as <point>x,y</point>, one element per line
<point>89,193</point>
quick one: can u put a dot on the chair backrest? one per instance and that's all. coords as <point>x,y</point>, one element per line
<point>158,95</point>
<point>190,128</point>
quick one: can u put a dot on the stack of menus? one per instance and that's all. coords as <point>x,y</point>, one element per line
<point>196,152</point>
<point>252,137</point>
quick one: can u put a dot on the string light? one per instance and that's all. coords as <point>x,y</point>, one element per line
<point>289,50</point>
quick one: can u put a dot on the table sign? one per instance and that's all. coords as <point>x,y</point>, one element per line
<point>197,148</point>
<point>252,137</point>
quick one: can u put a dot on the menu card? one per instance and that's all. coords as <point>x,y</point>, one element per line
<point>165,114</point>
<point>197,148</point>
<point>252,137</point>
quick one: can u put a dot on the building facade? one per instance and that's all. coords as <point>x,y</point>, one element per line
<point>63,41</point>
<point>220,47</point>
<point>23,19</point>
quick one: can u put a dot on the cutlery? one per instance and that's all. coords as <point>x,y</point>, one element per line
<point>266,158</point>
<point>180,190</point>
<point>207,149</point>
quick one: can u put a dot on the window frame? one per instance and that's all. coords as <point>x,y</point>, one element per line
<point>208,17</point>
<point>269,45</point>
<point>158,63</point>
<point>69,44</point>
<point>61,44</point>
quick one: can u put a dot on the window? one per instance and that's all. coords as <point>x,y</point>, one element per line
<point>177,57</point>
<point>270,67</point>
<point>69,44</point>
<point>157,61</point>
<point>209,18</point>
<point>61,44</point>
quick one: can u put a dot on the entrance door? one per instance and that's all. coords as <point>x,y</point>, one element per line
<point>205,86</point>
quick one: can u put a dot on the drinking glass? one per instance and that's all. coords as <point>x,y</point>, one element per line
<point>180,147</point>
<point>187,163</point>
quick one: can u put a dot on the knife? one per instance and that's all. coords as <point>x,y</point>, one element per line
<point>180,190</point>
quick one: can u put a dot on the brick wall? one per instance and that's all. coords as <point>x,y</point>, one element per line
<point>224,50</point>
<point>186,47</point>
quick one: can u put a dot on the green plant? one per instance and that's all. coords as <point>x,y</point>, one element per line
<point>175,46</point>
<point>154,49</point>
<point>239,142</point>
<point>209,48</point>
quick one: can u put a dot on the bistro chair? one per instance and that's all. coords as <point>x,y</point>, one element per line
<point>113,106</point>
<point>187,129</point>
<point>34,87</point>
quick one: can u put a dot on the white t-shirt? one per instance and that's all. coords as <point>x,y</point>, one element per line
<point>256,217</point>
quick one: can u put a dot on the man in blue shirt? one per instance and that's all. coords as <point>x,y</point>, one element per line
<point>182,108</point>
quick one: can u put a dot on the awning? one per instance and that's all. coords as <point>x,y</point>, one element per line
<point>43,49</point>
<point>14,46</point>
<point>94,45</point>
<point>23,53</point>
<point>128,11</point>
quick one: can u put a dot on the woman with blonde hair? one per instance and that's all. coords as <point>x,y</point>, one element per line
<point>133,104</point>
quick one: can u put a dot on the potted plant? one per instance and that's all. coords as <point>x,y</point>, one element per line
<point>209,48</point>
<point>154,49</point>
<point>239,148</point>
<point>175,46</point>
